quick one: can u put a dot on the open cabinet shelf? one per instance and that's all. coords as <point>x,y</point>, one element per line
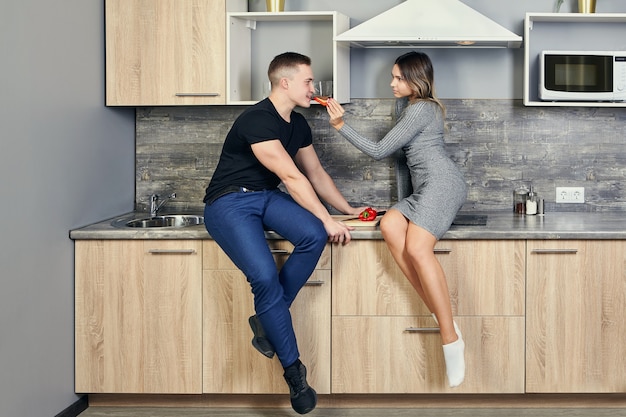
<point>254,39</point>
<point>568,32</point>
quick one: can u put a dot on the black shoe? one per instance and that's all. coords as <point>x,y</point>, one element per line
<point>303,397</point>
<point>259,341</point>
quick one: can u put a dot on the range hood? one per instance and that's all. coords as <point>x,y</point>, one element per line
<point>430,23</point>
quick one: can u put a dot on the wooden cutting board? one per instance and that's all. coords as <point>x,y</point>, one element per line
<point>351,221</point>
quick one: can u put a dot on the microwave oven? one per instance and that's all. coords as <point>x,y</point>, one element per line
<point>582,75</point>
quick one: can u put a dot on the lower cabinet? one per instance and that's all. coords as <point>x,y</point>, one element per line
<point>231,364</point>
<point>171,317</point>
<point>385,341</point>
<point>138,313</point>
<point>576,316</point>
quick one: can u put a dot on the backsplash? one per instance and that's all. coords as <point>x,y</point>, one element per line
<point>498,145</point>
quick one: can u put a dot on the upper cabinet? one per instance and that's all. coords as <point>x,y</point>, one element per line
<point>166,52</point>
<point>568,32</point>
<point>254,39</point>
<point>200,52</point>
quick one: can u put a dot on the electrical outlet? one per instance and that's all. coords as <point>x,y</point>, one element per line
<point>570,194</point>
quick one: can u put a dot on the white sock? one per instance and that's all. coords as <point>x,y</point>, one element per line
<point>454,354</point>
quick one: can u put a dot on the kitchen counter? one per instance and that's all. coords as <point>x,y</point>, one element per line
<point>499,225</point>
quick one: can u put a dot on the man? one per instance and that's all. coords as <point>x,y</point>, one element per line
<point>267,145</point>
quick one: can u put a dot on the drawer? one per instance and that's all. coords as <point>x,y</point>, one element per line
<point>484,278</point>
<point>403,354</point>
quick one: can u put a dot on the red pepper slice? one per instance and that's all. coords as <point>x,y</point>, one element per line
<point>322,100</point>
<point>368,215</point>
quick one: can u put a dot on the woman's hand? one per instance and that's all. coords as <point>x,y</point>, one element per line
<point>335,111</point>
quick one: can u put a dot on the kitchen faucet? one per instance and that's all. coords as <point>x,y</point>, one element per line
<point>155,205</point>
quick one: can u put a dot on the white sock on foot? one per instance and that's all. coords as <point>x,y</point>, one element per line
<point>454,355</point>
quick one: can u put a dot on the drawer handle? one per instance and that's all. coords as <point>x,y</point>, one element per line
<point>314,283</point>
<point>197,94</point>
<point>172,251</point>
<point>421,330</point>
<point>554,251</point>
<point>442,250</point>
<point>280,251</point>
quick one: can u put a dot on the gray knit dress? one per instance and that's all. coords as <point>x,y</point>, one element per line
<point>439,189</point>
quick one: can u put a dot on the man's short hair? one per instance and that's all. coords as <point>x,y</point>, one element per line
<point>285,64</point>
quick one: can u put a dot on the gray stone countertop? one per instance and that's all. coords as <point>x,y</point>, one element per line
<point>499,225</point>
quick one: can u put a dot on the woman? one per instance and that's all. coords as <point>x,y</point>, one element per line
<point>412,227</point>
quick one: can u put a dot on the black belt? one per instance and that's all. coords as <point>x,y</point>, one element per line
<point>230,189</point>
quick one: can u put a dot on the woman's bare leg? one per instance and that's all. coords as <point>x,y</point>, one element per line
<point>420,246</point>
<point>413,249</point>
<point>393,227</point>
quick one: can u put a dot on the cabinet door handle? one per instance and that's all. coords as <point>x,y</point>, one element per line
<point>553,251</point>
<point>280,251</point>
<point>442,250</point>
<point>314,283</point>
<point>421,330</point>
<point>197,94</point>
<point>172,251</point>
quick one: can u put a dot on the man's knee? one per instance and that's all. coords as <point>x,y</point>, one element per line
<point>314,239</point>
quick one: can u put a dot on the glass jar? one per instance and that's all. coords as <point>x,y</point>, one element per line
<point>520,196</point>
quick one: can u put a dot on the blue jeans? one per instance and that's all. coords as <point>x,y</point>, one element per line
<point>237,222</point>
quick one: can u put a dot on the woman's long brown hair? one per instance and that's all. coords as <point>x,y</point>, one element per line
<point>417,70</point>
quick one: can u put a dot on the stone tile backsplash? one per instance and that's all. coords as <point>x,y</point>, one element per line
<point>498,144</point>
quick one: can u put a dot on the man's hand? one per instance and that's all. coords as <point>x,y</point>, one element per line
<point>355,211</point>
<point>338,232</point>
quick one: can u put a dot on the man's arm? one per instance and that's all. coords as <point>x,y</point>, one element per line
<point>274,157</point>
<point>322,183</point>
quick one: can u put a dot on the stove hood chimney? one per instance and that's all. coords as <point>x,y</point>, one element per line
<point>430,24</point>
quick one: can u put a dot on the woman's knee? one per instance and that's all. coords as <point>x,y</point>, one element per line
<point>419,253</point>
<point>393,225</point>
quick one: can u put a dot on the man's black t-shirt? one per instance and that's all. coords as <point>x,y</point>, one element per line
<point>238,166</point>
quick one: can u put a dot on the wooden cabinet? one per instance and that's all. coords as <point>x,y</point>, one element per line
<point>200,52</point>
<point>538,316</point>
<point>166,52</point>
<point>231,364</point>
<point>384,340</point>
<point>576,305</point>
<point>138,309</point>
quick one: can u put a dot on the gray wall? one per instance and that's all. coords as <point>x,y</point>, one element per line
<point>461,72</point>
<point>65,161</point>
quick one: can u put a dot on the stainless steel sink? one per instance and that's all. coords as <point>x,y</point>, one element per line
<point>173,220</point>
